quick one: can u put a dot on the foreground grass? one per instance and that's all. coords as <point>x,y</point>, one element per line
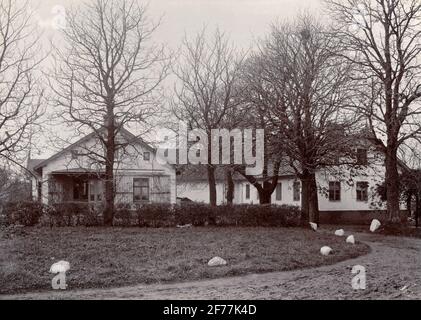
<point>110,257</point>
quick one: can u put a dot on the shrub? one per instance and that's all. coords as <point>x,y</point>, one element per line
<point>197,214</point>
<point>25,213</point>
<point>123,215</point>
<point>156,215</point>
<point>258,215</point>
<point>68,214</point>
<point>238,215</point>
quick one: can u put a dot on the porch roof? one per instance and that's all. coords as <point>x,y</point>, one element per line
<point>78,171</point>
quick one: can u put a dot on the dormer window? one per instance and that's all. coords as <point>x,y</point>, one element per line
<point>362,156</point>
<point>146,156</point>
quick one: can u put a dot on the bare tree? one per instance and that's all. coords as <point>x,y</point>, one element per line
<point>20,93</point>
<point>383,41</point>
<point>106,77</point>
<point>255,115</point>
<point>13,187</point>
<point>207,72</point>
<point>304,87</point>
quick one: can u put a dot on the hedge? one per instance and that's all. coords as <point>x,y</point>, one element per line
<point>153,215</point>
<point>27,213</point>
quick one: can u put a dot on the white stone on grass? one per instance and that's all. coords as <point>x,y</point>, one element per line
<point>61,266</point>
<point>326,250</point>
<point>339,232</point>
<point>184,225</point>
<point>375,224</point>
<point>216,261</point>
<point>313,226</point>
<point>350,239</point>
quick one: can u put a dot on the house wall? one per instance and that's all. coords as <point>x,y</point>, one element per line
<point>198,191</point>
<point>159,187</point>
<point>347,175</point>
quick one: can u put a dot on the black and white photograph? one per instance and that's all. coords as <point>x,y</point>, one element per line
<point>227,152</point>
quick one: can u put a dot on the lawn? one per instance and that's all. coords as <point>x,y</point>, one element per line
<point>111,257</point>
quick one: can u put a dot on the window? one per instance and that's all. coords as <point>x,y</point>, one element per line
<point>198,153</point>
<point>140,189</point>
<point>146,156</point>
<point>296,191</point>
<point>334,191</point>
<point>279,191</point>
<point>362,156</point>
<point>362,191</point>
<point>247,191</point>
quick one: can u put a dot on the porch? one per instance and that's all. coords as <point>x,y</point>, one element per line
<point>89,186</point>
<point>75,186</point>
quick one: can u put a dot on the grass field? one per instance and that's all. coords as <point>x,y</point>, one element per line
<point>111,257</point>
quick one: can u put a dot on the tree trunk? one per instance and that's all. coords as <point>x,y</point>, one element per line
<point>313,206</point>
<point>230,186</point>
<point>265,196</point>
<point>309,199</point>
<point>417,209</point>
<point>266,190</point>
<point>305,215</point>
<point>212,184</point>
<point>109,194</point>
<point>392,185</point>
<point>109,170</point>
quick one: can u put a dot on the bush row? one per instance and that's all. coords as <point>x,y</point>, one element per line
<point>152,215</point>
<point>33,213</point>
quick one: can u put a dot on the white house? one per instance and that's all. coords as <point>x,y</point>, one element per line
<point>345,192</point>
<point>75,174</point>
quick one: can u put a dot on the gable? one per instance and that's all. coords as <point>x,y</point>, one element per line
<point>87,144</point>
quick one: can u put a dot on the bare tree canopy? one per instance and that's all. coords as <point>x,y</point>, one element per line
<point>20,93</point>
<point>383,42</point>
<point>107,75</point>
<point>299,79</point>
<point>205,98</point>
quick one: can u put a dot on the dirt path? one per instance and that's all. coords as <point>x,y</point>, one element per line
<point>393,270</point>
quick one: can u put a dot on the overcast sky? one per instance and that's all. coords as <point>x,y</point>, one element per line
<point>242,19</point>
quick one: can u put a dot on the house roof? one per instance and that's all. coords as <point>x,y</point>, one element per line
<point>77,171</point>
<point>39,163</point>
<point>194,173</point>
